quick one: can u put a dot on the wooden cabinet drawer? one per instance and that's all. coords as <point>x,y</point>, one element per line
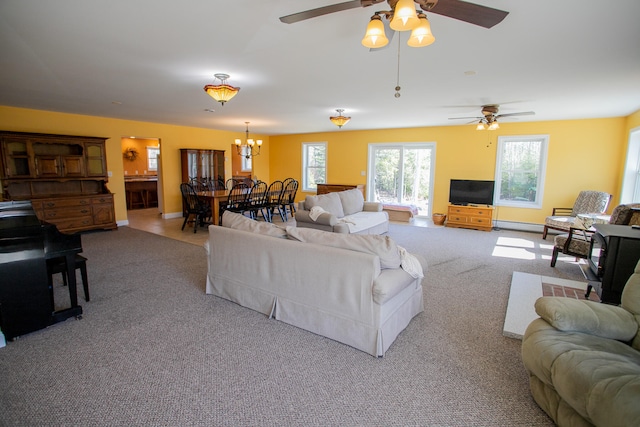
<point>63,203</point>
<point>480,212</point>
<point>479,220</point>
<point>106,198</point>
<point>458,219</point>
<point>67,212</point>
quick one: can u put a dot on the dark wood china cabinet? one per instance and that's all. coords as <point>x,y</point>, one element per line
<point>64,176</point>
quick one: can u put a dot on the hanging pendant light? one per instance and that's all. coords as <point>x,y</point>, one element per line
<point>421,35</point>
<point>222,92</point>
<point>339,120</point>
<point>375,37</point>
<point>246,148</point>
<point>405,17</point>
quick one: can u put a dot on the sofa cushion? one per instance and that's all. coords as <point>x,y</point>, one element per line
<point>360,221</point>
<point>330,202</point>
<point>352,201</point>
<point>382,246</point>
<point>241,222</point>
<point>568,314</point>
<point>389,283</point>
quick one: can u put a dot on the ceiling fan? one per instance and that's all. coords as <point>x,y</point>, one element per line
<point>490,116</point>
<point>472,13</point>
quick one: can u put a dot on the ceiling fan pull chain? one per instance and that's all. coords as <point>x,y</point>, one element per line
<point>397,94</point>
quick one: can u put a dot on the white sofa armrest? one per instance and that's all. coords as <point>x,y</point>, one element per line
<point>324,219</point>
<point>372,207</point>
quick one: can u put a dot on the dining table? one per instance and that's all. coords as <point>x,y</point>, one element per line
<point>214,197</point>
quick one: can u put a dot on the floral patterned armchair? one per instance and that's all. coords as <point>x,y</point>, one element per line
<point>577,241</point>
<point>593,202</point>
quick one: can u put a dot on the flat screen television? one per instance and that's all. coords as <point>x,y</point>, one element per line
<point>471,192</point>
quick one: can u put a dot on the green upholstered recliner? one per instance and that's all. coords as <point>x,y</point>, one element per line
<point>583,359</point>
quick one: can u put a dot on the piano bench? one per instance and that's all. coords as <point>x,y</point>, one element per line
<point>58,265</point>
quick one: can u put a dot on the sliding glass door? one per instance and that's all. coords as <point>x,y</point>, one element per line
<point>402,174</point>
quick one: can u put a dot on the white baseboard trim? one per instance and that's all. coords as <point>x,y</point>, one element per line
<point>122,223</point>
<point>522,226</point>
<point>171,215</point>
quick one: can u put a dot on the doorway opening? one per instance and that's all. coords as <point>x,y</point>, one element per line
<point>141,165</point>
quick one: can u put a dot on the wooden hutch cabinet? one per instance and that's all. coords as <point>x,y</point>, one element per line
<point>64,176</point>
<point>202,165</point>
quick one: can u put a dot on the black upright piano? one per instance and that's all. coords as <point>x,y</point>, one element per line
<point>26,243</point>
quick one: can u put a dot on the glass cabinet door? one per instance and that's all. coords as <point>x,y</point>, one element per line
<point>17,159</point>
<point>96,165</point>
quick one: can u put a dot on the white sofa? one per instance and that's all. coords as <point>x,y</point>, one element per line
<point>360,296</point>
<point>342,212</point>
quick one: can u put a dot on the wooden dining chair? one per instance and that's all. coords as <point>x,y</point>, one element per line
<point>195,207</point>
<point>256,202</point>
<point>274,194</point>
<point>236,201</point>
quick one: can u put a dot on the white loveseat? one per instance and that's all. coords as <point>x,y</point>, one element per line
<point>342,212</point>
<point>359,296</point>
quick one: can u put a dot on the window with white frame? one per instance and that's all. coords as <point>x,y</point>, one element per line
<point>314,165</point>
<point>245,156</point>
<point>631,179</point>
<point>152,158</point>
<point>520,169</point>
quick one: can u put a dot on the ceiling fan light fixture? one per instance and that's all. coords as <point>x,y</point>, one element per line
<point>494,125</point>
<point>222,92</point>
<point>374,36</point>
<point>481,125</point>
<point>339,120</point>
<point>405,17</point>
<point>421,35</point>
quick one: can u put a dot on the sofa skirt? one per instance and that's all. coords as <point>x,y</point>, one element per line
<point>375,338</point>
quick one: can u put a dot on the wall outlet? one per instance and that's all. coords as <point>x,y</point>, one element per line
<point>110,174</point>
<point>363,173</point>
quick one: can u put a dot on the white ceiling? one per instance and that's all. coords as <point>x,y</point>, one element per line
<point>148,60</point>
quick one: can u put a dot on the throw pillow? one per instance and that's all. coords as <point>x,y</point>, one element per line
<point>352,201</point>
<point>330,202</point>
<point>241,222</point>
<point>382,246</point>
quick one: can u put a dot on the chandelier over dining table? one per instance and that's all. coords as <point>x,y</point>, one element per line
<point>248,148</point>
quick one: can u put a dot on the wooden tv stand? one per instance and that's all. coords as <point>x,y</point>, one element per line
<point>474,217</point>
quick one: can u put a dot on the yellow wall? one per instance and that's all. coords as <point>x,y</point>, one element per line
<point>583,154</point>
<point>171,137</point>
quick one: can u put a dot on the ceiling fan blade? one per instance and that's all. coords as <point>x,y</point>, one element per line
<point>523,113</point>
<point>313,13</point>
<point>465,118</point>
<point>472,13</point>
